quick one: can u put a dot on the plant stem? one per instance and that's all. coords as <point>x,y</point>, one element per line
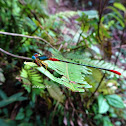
<point>21,57</point>
<point>101,8</point>
<point>27,36</point>
<point>97,86</point>
<point>122,40</point>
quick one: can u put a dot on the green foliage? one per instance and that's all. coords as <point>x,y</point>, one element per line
<point>107,103</point>
<point>13,19</point>
<point>115,101</point>
<point>54,91</point>
<point>33,82</point>
<point>67,79</point>
<point>7,122</point>
<point>22,115</point>
<point>81,40</point>
<point>106,121</point>
<point>102,104</point>
<point>120,6</point>
<point>74,78</point>
<point>117,15</point>
<point>8,100</point>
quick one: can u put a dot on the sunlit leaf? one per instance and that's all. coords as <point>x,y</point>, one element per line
<point>119,6</point>
<point>116,11</point>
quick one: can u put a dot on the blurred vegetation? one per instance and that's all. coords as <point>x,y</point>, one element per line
<point>63,94</point>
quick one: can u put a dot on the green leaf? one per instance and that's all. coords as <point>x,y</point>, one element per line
<point>31,78</point>
<point>29,112</point>
<point>95,108</point>
<point>72,76</point>
<point>20,116</point>
<point>119,6</point>
<point>54,91</point>
<point>7,122</point>
<point>24,73</point>
<point>106,121</point>
<point>115,101</point>
<point>102,104</point>
<point>118,19</point>
<point>11,99</point>
<point>116,11</point>
<point>104,32</point>
<point>26,124</point>
<point>3,95</point>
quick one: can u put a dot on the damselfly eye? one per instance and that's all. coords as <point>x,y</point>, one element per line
<point>33,57</point>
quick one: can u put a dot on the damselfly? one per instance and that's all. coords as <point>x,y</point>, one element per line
<point>39,60</point>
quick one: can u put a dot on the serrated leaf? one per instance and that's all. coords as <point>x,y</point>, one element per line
<point>68,79</point>
<point>115,101</point>
<point>24,73</point>
<point>72,75</point>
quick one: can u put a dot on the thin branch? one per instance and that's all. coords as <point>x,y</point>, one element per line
<point>21,57</point>
<point>81,34</point>
<point>98,86</point>
<point>95,89</point>
<point>100,11</point>
<point>122,41</point>
<point>55,110</point>
<point>33,37</point>
<point>30,34</point>
<point>101,8</point>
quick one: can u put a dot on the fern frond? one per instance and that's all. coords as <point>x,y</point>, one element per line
<point>73,76</point>
<point>31,78</point>
<point>72,79</point>
<point>97,63</point>
<point>106,65</point>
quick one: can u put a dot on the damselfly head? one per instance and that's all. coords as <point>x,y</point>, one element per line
<point>40,57</point>
<point>35,55</point>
